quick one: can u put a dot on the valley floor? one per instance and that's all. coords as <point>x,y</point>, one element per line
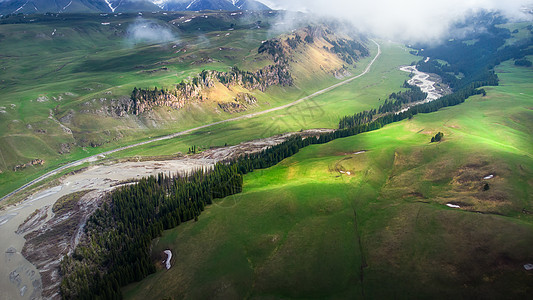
<point>45,247</point>
<point>188,131</point>
<point>370,216</point>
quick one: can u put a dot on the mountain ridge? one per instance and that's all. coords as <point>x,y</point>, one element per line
<point>111,6</point>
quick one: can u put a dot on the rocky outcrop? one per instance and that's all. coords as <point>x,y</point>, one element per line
<point>108,107</point>
<point>146,101</point>
<point>260,80</point>
<point>280,50</point>
<point>191,91</point>
<point>66,147</point>
<point>239,104</point>
<point>35,162</point>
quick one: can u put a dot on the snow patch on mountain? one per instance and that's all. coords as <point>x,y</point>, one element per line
<point>190,4</point>
<point>110,6</point>
<point>160,3</point>
<point>21,7</point>
<point>67,5</point>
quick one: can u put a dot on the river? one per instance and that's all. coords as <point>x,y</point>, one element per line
<point>19,278</point>
<point>428,83</point>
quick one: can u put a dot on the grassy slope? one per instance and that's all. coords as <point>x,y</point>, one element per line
<point>292,232</point>
<point>92,61</point>
<point>522,32</point>
<point>322,111</point>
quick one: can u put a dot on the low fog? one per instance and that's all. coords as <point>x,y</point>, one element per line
<point>408,20</point>
<point>149,32</point>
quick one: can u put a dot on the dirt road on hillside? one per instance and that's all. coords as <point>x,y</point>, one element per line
<point>21,279</point>
<point>251,115</point>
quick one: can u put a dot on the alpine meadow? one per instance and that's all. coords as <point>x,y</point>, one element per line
<point>200,149</point>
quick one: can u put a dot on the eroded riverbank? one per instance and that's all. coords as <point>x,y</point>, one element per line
<point>49,239</point>
<point>428,83</point>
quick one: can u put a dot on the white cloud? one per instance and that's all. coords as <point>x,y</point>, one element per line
<point>145,31</point>
<point>406,20</point>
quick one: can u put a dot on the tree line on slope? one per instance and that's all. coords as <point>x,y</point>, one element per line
<point>116,250</point>
<point>394,103</point>
<point>473,58</point>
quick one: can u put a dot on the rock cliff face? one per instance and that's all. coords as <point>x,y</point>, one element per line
<point>280,50</point>
<point>146,101</point>
<point>106,107</point>
<point>260,80</point>
<point>192,90</point>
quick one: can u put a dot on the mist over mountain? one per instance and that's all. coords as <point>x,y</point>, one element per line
<point>410,20</point>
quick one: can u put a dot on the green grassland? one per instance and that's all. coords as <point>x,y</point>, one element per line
<point>80,61</point>
<point>323,111</point>
<point>303,229</point>
<point>520,31</point>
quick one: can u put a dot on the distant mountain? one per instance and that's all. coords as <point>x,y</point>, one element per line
<point>43,6</point>
<point>109,6</point>
<point>250,5</point>
<point>75,6</point>
<point>196,5</point>
<point>131,5</point>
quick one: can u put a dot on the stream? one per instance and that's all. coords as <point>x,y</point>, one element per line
<point>19,278</point>
<point>428,83</point>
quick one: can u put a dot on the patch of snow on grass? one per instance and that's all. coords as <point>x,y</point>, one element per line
<point>452,205</point>
<point>169,256</point>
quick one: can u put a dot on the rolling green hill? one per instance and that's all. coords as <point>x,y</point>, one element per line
<point>66,78</point>
<point>387,213</point>
<point>335,222</point>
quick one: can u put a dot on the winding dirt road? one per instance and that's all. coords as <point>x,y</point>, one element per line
<point>247,116</point>
<point>20,279</point>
